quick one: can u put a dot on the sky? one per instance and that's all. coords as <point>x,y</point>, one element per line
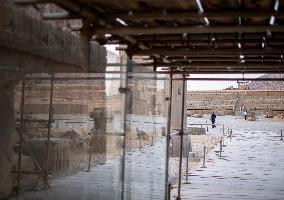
<point>206,85</point>
<point>216,85</point>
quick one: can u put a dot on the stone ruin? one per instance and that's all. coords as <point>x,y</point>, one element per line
<point>82,115</point>
<point>196,131</point>
<point>251,116</point>
<point>227,102</point>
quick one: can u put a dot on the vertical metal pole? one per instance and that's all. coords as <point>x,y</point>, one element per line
<point>129,64</point>
<point>21,129</point>
<point>168,185</point>
<point>223,129</point>
<point>169,189</point>
<point>231,132</point>
<point>140,141</point>
<point>154,132</point>
<point>220,147</point>
<point>281,136</point>
<point>90,159</point>
<point>204,154</point>
<point>186,171</point>
<point>50,117</point>
<point>181,137</point>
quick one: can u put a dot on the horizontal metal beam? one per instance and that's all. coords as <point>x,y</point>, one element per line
<point>225,56</point>
<point>222,65</point>
<point>189,15</point>
<point>163,78</point>
<point>189,29</point>
<point>235,79</point>
<point>217,37</point>
<point>224,71</point>
<point>217,51</point>
<point>227,60</point>
<point>85,12</point>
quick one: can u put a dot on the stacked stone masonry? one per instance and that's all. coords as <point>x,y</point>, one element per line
<point>234,100</point>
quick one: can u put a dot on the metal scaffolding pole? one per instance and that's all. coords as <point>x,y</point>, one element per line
<point>169,99</point>
<point>21,129</point>
<point>123,90</point>
<point>50,116</point>
<point>181,137</point>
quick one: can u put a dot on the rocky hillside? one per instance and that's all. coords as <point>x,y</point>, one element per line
<point>268,85</point>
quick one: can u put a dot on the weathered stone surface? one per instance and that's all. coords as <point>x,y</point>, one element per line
<point>7,129</point>
<point>197,115</point>
<point>267,114</point>
<point>59,154</point>
<point>174,150</point>
<point>24,32</point>
<point>99,115</point>
<point>226,102</point>
<point>196,131</point>
<point>251,116</point>
<point>280,116</point>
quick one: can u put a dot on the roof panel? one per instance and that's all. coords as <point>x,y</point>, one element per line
<point>211,29</point>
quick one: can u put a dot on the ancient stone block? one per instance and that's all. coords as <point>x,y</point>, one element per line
<point>197,115</point>
<point>251,116</point>
<point>59,160</point>
<point>174,150</point>
<point>99,116</point>
<point>196,131</point>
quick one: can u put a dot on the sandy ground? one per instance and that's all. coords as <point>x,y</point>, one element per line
<point>198,143</point>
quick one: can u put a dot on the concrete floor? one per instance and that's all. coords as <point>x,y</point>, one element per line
<point>251,166</point>
<point>144,179</point>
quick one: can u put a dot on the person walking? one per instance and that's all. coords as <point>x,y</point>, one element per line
<point>245,114</point>
<point>213,117</point>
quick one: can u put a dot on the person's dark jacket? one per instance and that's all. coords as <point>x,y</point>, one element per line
<point>213,117</point>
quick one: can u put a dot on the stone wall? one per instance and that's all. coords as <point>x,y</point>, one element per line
<point>73,103</point>
<point>40,46</point>
<point>69,98</point>
<point>29,43</point>
<point>7,135</point>
<point>143,97</point>
<point>227,102</point>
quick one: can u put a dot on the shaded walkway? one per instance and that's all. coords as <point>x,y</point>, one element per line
<point>251,166</point>
<point>144,178</point>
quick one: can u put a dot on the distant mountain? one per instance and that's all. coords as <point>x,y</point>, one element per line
<point>268,85</point>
